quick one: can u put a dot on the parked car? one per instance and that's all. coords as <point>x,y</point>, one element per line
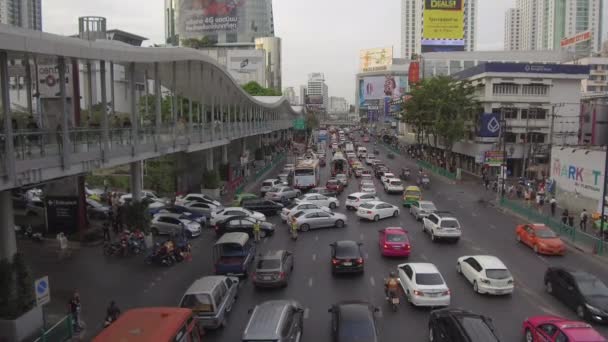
<point>273,269</point>
<point>239,198</point>
<point>423,285</point>
<point>556,329</point>
<point>354,200</point>
<point>324,201</point>
<point>353,321</point>
<point>422,209</point>
<point>268,185</point>
<point>282,193</point>
<point>264,206</point>
<point>275,320</point>
<point>456,325</point>
<point>540,238</point>
<point>346,257</point>
<point>486,273</point>
<point>243,224</point>
<point>174,224</point>
<point>394,241</point>
<point>317,218</point>
<point>295,207</point>
<point>178,209</point>
<point>201,208</point>
<point>144,194</point>
<point>225,213</point>
<point>377,210</point>
<point>583,292</point>
<point>442,225</point>
<point>211,298</point>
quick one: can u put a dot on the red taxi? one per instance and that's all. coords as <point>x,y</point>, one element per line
<point>394,241</point>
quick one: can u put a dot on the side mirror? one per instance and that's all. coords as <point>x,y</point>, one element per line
<point>360,243</point>
<point>376,309</point>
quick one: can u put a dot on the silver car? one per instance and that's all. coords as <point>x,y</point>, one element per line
<point>422,209</point>
<point>202,208</point>
<point>282,193</point>
<point>174,224</point>
<point>313,219</point>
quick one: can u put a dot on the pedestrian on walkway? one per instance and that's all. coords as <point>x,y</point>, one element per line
<point>112,313</point>
<point>571,221</point>
<point>256,231</point>
<point>32,127</point>
<point>553,204</point>
<point>75,311</point>
<point>106,231</point>
<point>584,218</point>
<point>565,216</point>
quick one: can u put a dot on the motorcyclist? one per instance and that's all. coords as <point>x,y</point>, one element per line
<point>112,313</point>
<point>391,286</point>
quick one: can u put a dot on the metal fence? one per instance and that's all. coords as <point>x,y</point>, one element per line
<point>60,332</point>
<point>262,172</point>
<point>589,242</point>
<point>436,169</point>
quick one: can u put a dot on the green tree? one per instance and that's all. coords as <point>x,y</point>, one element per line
<point>161,174</point>
<point>255,89</point>
<point>198,43</point>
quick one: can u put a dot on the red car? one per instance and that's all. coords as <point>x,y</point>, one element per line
<point>394,241</point>
<point>540,238</point>
<point>554,329</point>
<point>366,139</point>
<point>334,185</point>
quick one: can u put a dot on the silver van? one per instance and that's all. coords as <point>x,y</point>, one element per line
<point>275,321</point>
<point>211,298</point>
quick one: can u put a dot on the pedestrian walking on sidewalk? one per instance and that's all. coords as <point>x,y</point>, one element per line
<point>75,311</point>
<point>565,216</point>
<point>256,231</point>
<point>553,204</point>
<point>571,221</point>
<point>584,218</point>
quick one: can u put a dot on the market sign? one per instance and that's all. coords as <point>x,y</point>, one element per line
<point>577,38</point>
<point>494,158</point>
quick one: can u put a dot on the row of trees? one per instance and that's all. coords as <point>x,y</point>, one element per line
<point>441,110</point>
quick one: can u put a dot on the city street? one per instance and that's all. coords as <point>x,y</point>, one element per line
<point>485,231</point>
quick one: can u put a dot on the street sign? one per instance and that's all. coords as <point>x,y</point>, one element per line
<point>299,124</point>
<point>43,290</point>
<point>494,158</point>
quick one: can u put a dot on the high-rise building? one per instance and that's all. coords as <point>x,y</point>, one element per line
<point>412,23</point>
<point>302,95</point>
<point>22,13</point>
<point>512,29</point>
<point>272,49</point>
<point>316,91</point>
<point>544,23</point>
<point>223,22</point>
<point>290,94</point>
<point>338,105</point>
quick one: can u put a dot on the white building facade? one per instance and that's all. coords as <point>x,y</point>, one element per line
<point>243,62</point>
<point>22,13</point>
<point>290,94</point>
<point>338,105</point>
<point>412,13</point>
<point>316,90</point>
<point>512,29</point>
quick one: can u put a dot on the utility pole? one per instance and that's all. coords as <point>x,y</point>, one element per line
<point>602,218</point>
<point>526,153</point>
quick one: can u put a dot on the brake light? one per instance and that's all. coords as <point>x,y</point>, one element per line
<point>359,261</point>
<point>335,261</point>
<point>385,246</point>
<point>369,212</point>
<point>418,293</point>
<point>446,293</point>
<point>408,246</point>
<point>282,275</point>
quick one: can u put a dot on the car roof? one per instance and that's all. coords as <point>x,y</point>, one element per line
<point>412,188</point>
<point>395,230</point>
<point>538,226</point>
<point>270,255</point>
<point>426,202</point>
<point>358,194</point>
<point>421,267</point>
<point>377,202</point>
<point>489,261</point>
<point>355,311</point>
<point>346,243</point>
<point>204,284</point>
<point>266,319</point>
<point>233,238</point>
<point>235,208</point>
<point>394,179</point>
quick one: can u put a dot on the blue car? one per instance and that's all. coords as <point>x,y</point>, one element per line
<point>178,209</point>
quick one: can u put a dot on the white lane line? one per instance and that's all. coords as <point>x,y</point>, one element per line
<point>372,281</point>
<point>362,236</point>
<point>474,214</point>
<point>306,313</point>
<point>309,282</point>
<point>316,237</point>
<point>423,257</point>
<point>314,257</point>
<point>492,226</point>
<point>543,259</point>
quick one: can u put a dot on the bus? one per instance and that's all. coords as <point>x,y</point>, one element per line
<point>307,175</point>
<point>159,324</point>
<point>339,164</point>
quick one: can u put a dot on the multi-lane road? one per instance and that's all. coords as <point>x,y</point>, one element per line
<point>486,230</point>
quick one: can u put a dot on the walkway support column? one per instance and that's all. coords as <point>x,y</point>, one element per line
<point>105,133</point>
<point>159,98</point>
<point>90,92</point>
<point>65,141</point>
<point>28,83</point>
<point>112,93</point>
<point>136,180</point>
<point>8,240</point>
<point>133,107</point>
<point>9,148</point>
<point>189,101</point>
<point>225,154</point>
<point>209,164</point>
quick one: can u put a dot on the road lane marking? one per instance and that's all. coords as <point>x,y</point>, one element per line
<point>306,313</point>
<point>372,281</point>
<point>309,282</point>
<point>362,236</point>
<point>423,257</point>
<point>314,257</point>
<point>316,237</point>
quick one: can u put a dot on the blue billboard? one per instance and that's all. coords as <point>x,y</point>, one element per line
<point>489,125</point>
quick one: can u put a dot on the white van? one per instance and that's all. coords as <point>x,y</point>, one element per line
<point>362,152</point>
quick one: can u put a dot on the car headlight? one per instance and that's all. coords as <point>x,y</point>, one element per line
<point>593,309</point>
<point>485,281</point>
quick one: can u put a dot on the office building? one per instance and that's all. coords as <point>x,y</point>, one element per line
<point>302,96</point>
<point>597,82</point>
<point>290,94</point>
<point>316,91</point>
<point>544,23</point>
<point>512,29</point>
<point>225,22</point>
<point>337,105</point>
<point>412,23</point>
<point>22,13</point>
<point>271,46</point>
<point>244,63</point>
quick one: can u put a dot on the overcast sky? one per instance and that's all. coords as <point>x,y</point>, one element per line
<point>318,35</point>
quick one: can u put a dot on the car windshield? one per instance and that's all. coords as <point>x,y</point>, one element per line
<point>429,279</point>
<point>298,214</point>
<point>197,302</point>
<point>498,274</point>
<point>367,206</point>
<point>427,206</point>
<point>396,238</point>
<point>267,184</point>
<point>368,186</point>
<point>449,224</point>
<point>592,287</point>
<point>291,205</point>
<point>396,183</point>
<point>332,182</point>
<point>545,233</point>
<point>304,172</point>
<point>266,264</point>
<point>477,329</point>
<point>347,252</point>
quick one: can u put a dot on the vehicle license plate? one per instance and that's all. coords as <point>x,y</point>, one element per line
<point>396,300</point>
<point>347,264</point>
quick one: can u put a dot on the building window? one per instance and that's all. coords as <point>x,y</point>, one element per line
<point>510,113</point>
<point>535,114</point>
<point>534,90</point>
<point>505,89</point>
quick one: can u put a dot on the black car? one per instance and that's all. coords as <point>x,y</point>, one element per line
<point>263,206</point>
<point>323,191</point>
<point>583,292</point>
<point>353,321</point>
<point>456,325</point>
<point>273,269</point>
<point>243,224</point>
<point>346,257</point>
<point>381,171</point>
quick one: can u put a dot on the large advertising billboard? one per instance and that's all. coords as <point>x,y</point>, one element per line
<point>381,87</point>
<point>443,26</point>
<point>203,17</point>
<point>375,59</point>
<point>578,171</point>
<point>246,61</point>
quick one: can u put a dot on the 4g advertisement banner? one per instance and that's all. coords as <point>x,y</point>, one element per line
<point>200,17</point>
<point>443,19</point>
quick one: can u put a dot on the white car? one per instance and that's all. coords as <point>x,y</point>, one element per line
<point>377,210</point>
<point>369,159</point>
<point>486,273</point>
<point>198,198</point>
<point>423,285</point>
<point>144,194</point>
<point>368,187</point>
<point>288,211</point>
<point>201,208</point>
<point>393,185</point>
<point>222,214</point>
<point>386,176</point>
<point>321,200</point>
<point>442,225</point>
<point>173,224</point>
<point>282,193</point>
<point>422,209</point>
<point>342,178</point>
<point>354,200</point>
<point>268,185</point>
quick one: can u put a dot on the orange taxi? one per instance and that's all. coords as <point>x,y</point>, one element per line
<point>540,238</point>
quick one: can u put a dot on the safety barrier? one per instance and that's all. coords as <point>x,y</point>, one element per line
<point>589,242</point>
<point>60,332</point>
<point>436,169</point>
<point>262,172</point>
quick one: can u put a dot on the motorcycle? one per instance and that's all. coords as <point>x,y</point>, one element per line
<point>114,248</point>
<point>28,233</point>
<point>161,254</point>
<point>393,300</point>
<point>405,174</point>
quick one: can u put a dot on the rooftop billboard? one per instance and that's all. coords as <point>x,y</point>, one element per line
<point>375,59</point>
<point>203,17</point>
<point>443,26</point>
